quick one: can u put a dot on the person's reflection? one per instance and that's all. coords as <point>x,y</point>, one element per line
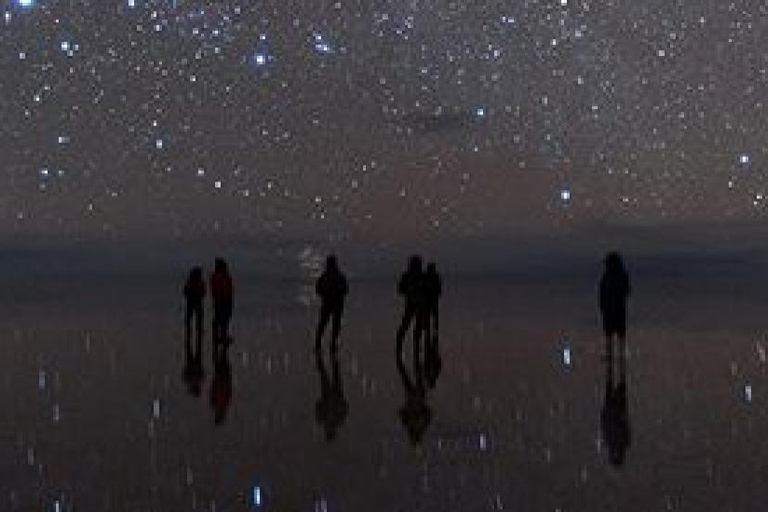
<point>221,295</point>
<point>415,413</point>
<point>332,407</point>
<point>613,295</point>
<point>193,374</point>
<point>194,293</point>
<point>221,386</point>
<point>614,417</point>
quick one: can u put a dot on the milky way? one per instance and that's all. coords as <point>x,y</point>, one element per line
<point>357,118</point>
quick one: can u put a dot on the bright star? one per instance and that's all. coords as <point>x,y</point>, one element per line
<point>321,45</point>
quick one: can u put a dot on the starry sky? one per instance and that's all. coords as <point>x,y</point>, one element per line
<point>386,118</point>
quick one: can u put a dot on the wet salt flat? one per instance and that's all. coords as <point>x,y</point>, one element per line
<point>97,415</point>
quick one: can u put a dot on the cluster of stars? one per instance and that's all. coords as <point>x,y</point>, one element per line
<point>477,118</point>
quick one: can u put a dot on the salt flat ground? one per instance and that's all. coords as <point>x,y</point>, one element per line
<point>96,415</point>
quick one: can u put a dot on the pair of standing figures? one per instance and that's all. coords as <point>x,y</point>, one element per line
<point>221,295</point>
<point>420,289</point>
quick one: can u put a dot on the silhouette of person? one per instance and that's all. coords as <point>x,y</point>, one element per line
<point>411,288</point>
<point>221,386</point>
<point>332,288</point>
<point>193,374</point>
<point>194,293</point>
<point>332,407</point>
<point>221,293</point>
<point>613,295</point>
<point>614,417</point>
<point>415,414</point>
<point>433,289</point>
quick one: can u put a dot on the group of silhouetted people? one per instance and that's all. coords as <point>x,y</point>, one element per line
<point>222,301</point>
<point>421,290</point>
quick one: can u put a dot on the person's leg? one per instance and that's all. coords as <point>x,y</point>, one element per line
<point>227,320</point>
<point>215,321</point>
<point>419,329</point>
<point>622,342</point>
<point>403,329</point>
<point>325,314</point>
<point>218,329</point>
<point>199,343</point>
<point>214,336</point>
<point>336,328</point>
<point>188,320</point>
<point>426,328</point>
<point>199,319</point>
<point>610,349</point>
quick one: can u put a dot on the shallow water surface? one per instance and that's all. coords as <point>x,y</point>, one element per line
<point>99,414</point>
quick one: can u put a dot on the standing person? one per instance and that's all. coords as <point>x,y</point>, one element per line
<point>194,293</point>
<point>433,289</point>
<point>411,288</point>
<point>613,295</point>
<point>221,293</point>
<point>332,288</point>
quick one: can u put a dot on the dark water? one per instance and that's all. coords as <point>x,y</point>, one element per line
<point>96,415</point>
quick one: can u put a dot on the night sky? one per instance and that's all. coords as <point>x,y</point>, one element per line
<point>379,118</point>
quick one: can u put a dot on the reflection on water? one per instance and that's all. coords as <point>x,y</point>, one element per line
<point>332,407</point>
<point>415,413</point>
<point>615,413</point>
<point>221,386</point>
<point>194,373</point>
<point>112,407</point>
